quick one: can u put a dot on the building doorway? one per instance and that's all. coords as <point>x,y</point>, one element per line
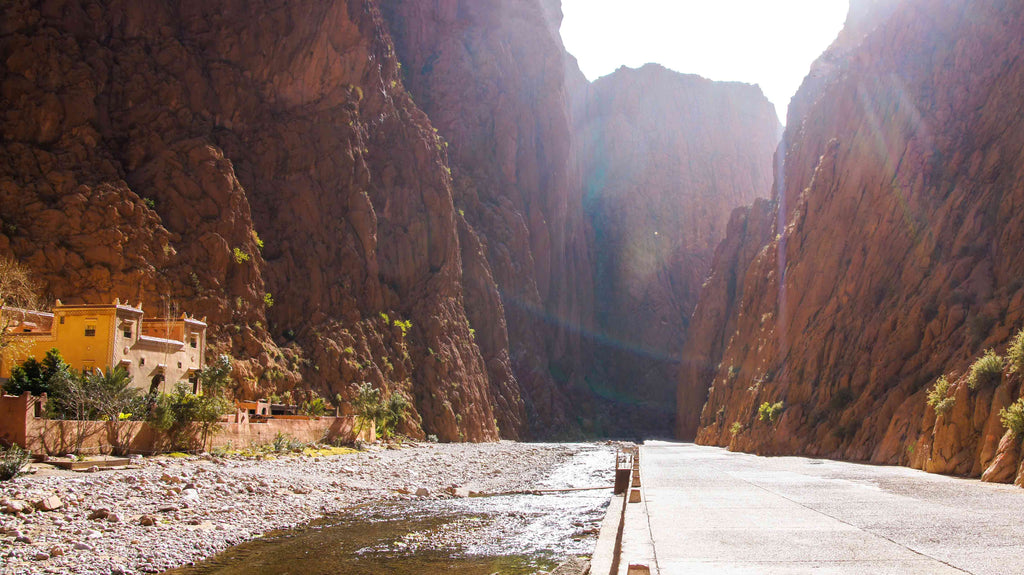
<point>154,387</point>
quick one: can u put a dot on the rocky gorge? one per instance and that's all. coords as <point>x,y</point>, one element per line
<point>425,196</point>
<point>430,197</point>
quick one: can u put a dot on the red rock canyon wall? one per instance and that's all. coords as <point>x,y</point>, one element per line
<point>893,256</point>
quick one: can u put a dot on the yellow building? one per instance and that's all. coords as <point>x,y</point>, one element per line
<point>158,353</point>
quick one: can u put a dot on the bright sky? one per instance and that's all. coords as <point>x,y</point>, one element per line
<point>766,42</point>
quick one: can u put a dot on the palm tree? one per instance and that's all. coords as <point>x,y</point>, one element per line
<point>115,400</point>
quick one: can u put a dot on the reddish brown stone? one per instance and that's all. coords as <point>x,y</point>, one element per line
<point>897,257</point>
<point>146,144</point>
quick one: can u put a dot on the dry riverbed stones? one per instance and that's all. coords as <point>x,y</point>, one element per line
<point>166,512</point>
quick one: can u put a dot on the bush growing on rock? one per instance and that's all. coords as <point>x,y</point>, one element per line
<point>937,397</point>
<point>1015,353</point>
<point>770,411</point>
<point>988,369</point>
<point>240,256</point>
<point>1012,417</point>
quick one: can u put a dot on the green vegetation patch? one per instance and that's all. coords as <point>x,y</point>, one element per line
<point>387,414</point>
<point>240,255</point>
<point>770,411</point>
<point>987,370</point>
<point>13,461</point>
<point>1012,417</point>
<point>939,398</point>
<point>1015,353</point>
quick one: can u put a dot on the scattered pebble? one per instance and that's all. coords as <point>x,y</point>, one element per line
<point>149,517</point>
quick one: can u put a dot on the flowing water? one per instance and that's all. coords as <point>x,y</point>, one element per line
<point>516,534</point>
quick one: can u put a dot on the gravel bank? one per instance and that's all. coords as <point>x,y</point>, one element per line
<point>166,512</point>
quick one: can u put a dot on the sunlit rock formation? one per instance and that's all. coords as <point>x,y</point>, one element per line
<point>888,256</point>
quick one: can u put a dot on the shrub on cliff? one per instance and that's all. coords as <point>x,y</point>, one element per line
<point>1012,417</point>
<point>770,411</point>
<point>937,397</point>
<point>988,369</point>
<point>1015,353</point>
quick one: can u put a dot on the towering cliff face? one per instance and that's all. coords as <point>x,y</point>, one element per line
<point>666,157</point>
<point>146,144</point>
<point>895,256</point>
<point>262,164</point>
<point>491,76</point>
<point>659,152</point>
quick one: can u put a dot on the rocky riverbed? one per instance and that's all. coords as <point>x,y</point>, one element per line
<point>164,512</point>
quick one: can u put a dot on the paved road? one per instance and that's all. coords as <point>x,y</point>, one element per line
<point>713,511</point>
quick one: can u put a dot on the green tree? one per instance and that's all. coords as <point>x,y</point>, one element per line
<point>114,400</point>
<point>367,405</point>
<point>113,397</point>
<point>386,415</point>
<point>189,418</point>
<point>315,407</point>
<point>38,377</point>
<point>394,413</point>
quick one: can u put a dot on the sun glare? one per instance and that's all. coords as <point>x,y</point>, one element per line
<point>771,44</point>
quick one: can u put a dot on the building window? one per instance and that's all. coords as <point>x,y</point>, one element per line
<point>194,341</point>
<point>90,330</point>
<point>179,365</point>
<point>128,331</point>
<point>142,361</point>
<point>62,320</point>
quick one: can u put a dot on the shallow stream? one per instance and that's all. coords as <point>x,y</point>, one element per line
<point>514,534</point>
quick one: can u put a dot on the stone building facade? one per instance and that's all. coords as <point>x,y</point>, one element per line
<point>158,353</point>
